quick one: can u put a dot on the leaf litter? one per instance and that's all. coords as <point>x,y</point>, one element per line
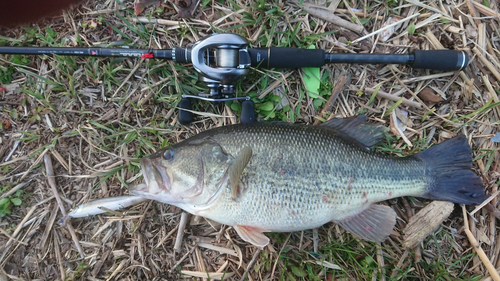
<point>95,153</point>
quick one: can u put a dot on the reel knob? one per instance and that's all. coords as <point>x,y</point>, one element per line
<point>185,116</point>
<point>247,112</point>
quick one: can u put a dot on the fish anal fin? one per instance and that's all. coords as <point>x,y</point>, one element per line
<point>355,128</point>
<point>253,235</point>
<point>373,224</point>
<point>236,169</point>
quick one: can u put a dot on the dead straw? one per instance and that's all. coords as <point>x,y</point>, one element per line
<point>180,232</point>
<point>385,95</point>
<point>51,179</point>
<point>486,261</point>
<point>13,238</point>
<point>251,263</point>
<point>487,63</point>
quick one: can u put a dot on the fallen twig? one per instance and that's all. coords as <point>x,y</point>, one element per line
<point>250,264</point>
<point>388,96</point>
<point>14,189</point>
<point>174,267</point>
<point>344,79</point>
<point>50,177</point>
<point>16,144</point>
<point>425,222</point>
<point>487,63</point>
<point>385,28</point>
<point>420,101</point>
<point>327,15</point>
<point>486,261</point>
<point>16,232</point>
<point>487,201</point>
<point>180,232</point>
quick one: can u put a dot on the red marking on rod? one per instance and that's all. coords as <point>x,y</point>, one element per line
<point>94,53</point>
<point>147,56</point>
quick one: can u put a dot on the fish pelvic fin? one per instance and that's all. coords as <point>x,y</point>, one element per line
<point>451,178</point>
<point>355,129</point>
<point>236,169</point>
<point>253,235</point>
<point>373,224</point>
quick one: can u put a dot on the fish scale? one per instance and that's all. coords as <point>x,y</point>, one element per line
<point>284,177</point>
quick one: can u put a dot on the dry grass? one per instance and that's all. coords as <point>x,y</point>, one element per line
<point>96,117</point>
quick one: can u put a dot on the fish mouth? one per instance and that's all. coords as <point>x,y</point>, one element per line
<point>153,175</point>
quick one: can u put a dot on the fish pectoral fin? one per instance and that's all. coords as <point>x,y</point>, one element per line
<point>373,224</point>
<point>253,235</point>
<point>236,169</point>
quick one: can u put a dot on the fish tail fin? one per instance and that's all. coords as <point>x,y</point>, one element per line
<point>449,164</point>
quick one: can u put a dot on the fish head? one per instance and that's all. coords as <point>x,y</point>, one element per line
<point>185,174</point>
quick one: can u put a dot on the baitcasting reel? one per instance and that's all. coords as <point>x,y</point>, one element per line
<point>220,60</point>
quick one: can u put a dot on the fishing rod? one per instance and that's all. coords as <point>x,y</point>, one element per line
<point>221,59</point>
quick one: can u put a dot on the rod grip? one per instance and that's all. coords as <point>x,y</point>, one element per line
<point>281,57</point>
<point>440,59</point>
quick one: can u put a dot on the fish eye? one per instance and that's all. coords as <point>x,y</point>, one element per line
<point>168,155</point>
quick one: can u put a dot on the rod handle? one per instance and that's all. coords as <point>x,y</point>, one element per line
<point>281,57</point>
<point>447,60</point>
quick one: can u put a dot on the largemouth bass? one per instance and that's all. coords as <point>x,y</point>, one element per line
<point>279,177</point>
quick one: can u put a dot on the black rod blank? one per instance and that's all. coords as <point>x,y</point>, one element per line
<point>97,52</point>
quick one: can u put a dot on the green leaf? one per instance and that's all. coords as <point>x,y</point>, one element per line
<point>13,114</point>
<point>411,28</point>
<point>16,201</point>
<point>317,103</point>
<point>236,106</point>
<point>298,271</point>
<point>4,201</point>
<point>398,103</point>
<point>267,106</point>
<point>312,79</point>
<point>290,277</point>
<point>372,98</point>
<point>364,21</point>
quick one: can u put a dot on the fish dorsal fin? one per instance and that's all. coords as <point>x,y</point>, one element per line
<point>253,235</point>
<point>236,169</point>
<point>373,224</point>
<point>356,128</point>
